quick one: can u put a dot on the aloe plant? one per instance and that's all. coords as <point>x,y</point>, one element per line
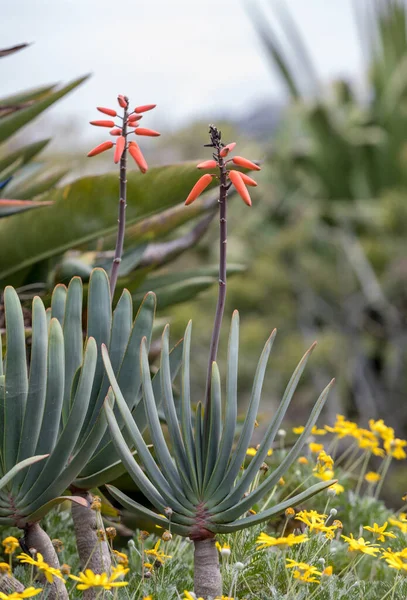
<point>194,480</point>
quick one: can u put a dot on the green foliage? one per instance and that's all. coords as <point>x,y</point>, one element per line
<point>197,481</point>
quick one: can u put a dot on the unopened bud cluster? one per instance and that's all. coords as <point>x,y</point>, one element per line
<point>129,125</point>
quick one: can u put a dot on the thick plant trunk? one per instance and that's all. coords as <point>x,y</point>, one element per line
<point>9,584</point>
<point>93,552</point>
<point>207,577</point>
<point>35,537</point>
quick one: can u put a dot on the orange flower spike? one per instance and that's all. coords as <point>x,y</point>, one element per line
<point>120,145</point>
<point>102,123</point>
<point>248,180</point>
<point>107,111</point>
<point>138,157</point>
<point>236,179</point>
<point>207,164</point>
<point>228,148</point>
<point>116,131</point>
<point>101,148</point>
<point>144,108</point>
<point>244,162</point>
<point>122,101</point>
<point>198,188</point>
<point>148,132</point>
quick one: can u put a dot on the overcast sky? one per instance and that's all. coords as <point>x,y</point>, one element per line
<point>191,57</point>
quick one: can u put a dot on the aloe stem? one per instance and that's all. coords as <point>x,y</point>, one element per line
<point>223,191</point>
<point>122,210</point>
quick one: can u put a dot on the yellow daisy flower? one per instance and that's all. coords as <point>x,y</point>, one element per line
<point>361,546</point>
<point>380,531</point>
<point>27,593</point>
<point>10,544</point>
<point>267,541</point>
<point>49,572</point>
<point>89,579</point>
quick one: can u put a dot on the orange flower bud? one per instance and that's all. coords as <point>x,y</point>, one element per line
<point>103,123</point>
<point>149,132</point>
<point>122,101</point>
<point>198,188</point>
<point>138,157</point>
<point>144,108</point>
<point>101,148</point>
<point>107,111</point>
<point>120,144</point>
<point>248,180</point>
<point>134,117</point>
<point>207,164</point>
<point>244,162</point>
<point>228,148</point>
<point>116,131</point>
<point>236,179</point>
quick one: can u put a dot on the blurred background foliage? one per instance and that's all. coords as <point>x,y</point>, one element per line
<point>320,256</point>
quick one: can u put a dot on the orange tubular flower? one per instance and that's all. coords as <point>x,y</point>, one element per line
<point>134,117</point>
<point>122,101</point>
<point>101,148</point>
<point>149,132</point>
<point>120,145</point>
<point>102,123</point>
<point>198,188</point>
<point>144,108</point>
<point>236,179</point>
<point>243,162</point>
<point>207,164</point>
<point>248,180</point>
<point>138,157</point>
<point>116,131</point>
<point>228,148</point>
<point>107,111</point>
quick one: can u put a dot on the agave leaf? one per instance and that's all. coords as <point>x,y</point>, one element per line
<point>70,433</point>
<point>16,378</point>
<point>99,478</point>
<point>229,509</point>
<point>5,174</point>
<point>186,422</point>
<point>14,122</point>
<point>12,207</point>
<point>58,303</point>
<point>248,427</point>
<point>19,467</point>
<point>199,443</point>
<point>45,508</point>
<point>229,422</point>
<point>92,200</point>
<point>35,186</point>
<point>37,384</point>
<point>182,292</point>
<point>7,51</point>
<point>24,154</point>
<point>73,341</point>
<point>214,424</point>
<point>171,414</point>
<point>245,522</point>
<point>27,95</point>
<point>145,512</point>
<point>53,402</point>
<point>253,468</point>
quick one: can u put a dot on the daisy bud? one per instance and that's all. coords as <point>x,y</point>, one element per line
<point>198,188</point>
<point>138,157</point>
<point>228,148</point>
<point>241,189</point>
<point>134,117</point>
<point>115,131</point>
<point>248,180</point>
<point>149,132</point>
<point>144,108</point>
<point>101,148</point>
<point>120,145</point>
<point>207,164</point>
<point>244,162</point>
<point>107,111</point>
<point>123,102</point>
<point>166,536</point>
<point>102,123</point>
